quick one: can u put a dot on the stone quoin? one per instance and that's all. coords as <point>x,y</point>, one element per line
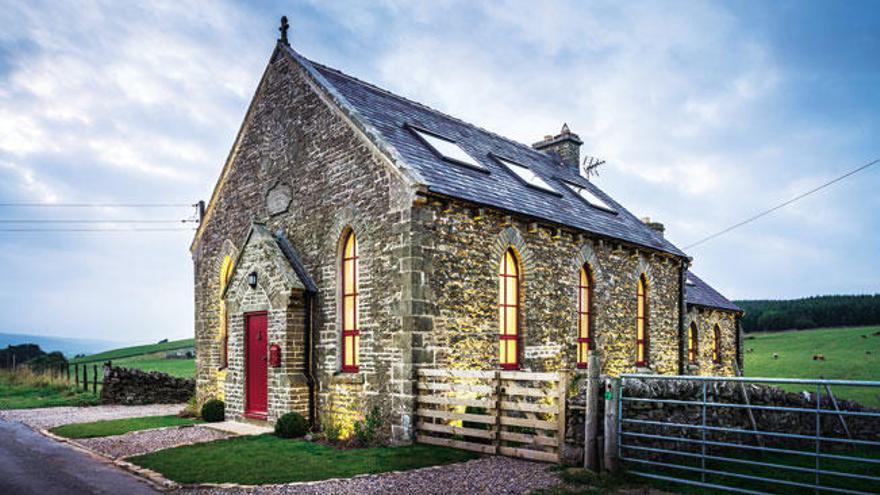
<point>371,231</point>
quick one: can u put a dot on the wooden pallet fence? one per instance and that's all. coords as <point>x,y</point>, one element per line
<point>513,413</point>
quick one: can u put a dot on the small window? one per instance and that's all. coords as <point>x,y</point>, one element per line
<point>447,149</point>
<point>351,333</point>
<point>526,175</point>
<point>589,197</point>
<point>692,344</point>
<point>642,322</point>
<point>508,311</point>
<point>585,303</point>
<point>716,345</point>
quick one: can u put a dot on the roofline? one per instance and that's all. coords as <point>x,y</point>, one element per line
<point>685,258</point>
<point>740,312</point>
<point>335,101</point>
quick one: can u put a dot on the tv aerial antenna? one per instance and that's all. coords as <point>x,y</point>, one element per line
<point>590,166</point>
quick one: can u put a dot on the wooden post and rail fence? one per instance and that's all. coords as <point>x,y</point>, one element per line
<point>513,413</point>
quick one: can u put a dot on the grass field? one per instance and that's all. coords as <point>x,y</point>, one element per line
<point>139,350</point>
<point>23,390</point>
<point>849,355</point>
<point>269,459</point>
<point>119,426</point>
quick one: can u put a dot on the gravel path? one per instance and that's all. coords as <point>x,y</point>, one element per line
<point>488,475</point>
<point>141,442</point>
<point>50,417</point>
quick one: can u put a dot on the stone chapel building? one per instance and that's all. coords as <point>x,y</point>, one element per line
<point>355,236</point>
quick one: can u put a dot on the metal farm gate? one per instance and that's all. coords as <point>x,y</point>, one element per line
<point>728,435</point>
<point>512,413</point>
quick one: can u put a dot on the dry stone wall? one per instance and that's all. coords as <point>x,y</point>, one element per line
<point>132,386</point>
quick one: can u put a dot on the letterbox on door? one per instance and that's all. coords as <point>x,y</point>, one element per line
<point>274,355</point>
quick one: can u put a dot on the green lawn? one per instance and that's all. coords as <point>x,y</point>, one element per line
<point>119,426</point>
<point>25,391</point>
<point>848,356</point>
<point>138,350</point>
<point>269,459</point>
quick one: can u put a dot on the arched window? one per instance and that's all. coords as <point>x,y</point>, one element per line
<point>716,345</point>
<point>585,315</point>
<point>692,344</point>
<point>508,311</point>
<point>350,330</point>
<point>225,273</point>
<point>642,322</point>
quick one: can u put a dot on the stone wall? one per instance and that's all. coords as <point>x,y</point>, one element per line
<point>302,167</point>
<point>132,386</point>
<point>464,248</point>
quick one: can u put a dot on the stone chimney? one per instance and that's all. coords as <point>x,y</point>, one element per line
<point>655,226</point>
<point>566,145</point>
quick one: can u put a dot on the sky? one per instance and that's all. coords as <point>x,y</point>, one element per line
<point>705,113</point>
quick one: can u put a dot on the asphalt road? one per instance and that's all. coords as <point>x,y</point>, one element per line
<point>33,464</point>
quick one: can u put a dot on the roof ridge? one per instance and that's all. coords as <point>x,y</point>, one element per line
<point>428,107</point>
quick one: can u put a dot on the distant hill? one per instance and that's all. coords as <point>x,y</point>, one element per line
<point>67,346</point>
<point>810,312</point>
<point>138,350</point>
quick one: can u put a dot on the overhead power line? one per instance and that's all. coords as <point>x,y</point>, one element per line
<point>25,221</point>
<point>98,205</point>
<point>784,204</point>
<point>97,230</point>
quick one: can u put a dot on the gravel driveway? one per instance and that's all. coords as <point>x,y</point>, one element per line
<point>488,475</point>
<point>50,417</point>
<point>141,442</point>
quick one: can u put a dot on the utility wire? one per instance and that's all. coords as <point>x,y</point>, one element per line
<point>97,221</point>
<point>98,230</point>
<point>97,205</point>
<point>784,204</point>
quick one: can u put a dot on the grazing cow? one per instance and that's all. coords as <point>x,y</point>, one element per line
<point>775,356</point>
<point>818,357</point>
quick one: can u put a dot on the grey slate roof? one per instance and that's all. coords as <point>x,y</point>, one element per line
<point>389,115</point>
<point>699,293</point>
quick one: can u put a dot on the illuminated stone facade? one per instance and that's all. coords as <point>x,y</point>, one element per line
<point>305,170</point>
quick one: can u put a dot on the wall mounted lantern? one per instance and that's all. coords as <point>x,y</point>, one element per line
<point>252,279</point>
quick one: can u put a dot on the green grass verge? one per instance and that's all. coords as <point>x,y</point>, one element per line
<point>848,356</point>
<point>138,350</point>
<point>119,426</point>
<point>25,391</point>
<point>269,459</point>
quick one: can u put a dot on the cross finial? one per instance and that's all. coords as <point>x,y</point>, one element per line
<point>283,29</point>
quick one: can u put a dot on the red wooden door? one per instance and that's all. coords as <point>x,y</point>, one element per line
<point>256,366</point>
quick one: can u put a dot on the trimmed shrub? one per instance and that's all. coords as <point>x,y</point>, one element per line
<point>214,411</point>
<point>291,425</point>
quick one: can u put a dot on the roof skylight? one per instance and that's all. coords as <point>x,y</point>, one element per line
<point>447,149</point>
<point>589,197</point>
<point>526,175</point>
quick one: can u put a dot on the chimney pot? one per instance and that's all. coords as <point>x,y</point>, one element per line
<point>655,226</point>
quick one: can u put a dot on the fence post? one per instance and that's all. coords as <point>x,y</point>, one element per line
<point>591,414</point>
<point>76,374</point>
<point>561,411</point>
<point>496,443</point>
<point>68,372</point>
<point>85,378</point>
<point>612,390</point>
<point>95,379</point>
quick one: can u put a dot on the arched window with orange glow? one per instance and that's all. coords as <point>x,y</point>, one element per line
<point>642,322</point>
<point>508,311</point>
<point>585,316</point>
<point>716,345</point>
<point>225,273</point>
<point>692,344</point>
<point>350,329</point>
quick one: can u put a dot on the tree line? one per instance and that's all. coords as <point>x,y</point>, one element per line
<point>33,357</point>
<point>810,312</point>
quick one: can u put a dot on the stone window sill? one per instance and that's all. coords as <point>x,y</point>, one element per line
<point>349,378</point>
<point>645,371</point>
